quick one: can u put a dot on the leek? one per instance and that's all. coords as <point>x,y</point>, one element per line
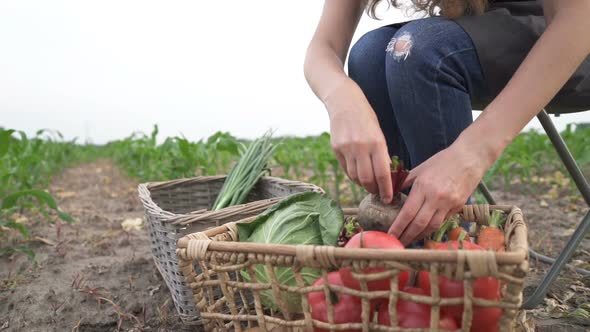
<point>245,173</point>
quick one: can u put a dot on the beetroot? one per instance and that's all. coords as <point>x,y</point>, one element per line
<point>373,213</point>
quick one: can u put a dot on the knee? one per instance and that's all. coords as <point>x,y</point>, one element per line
<point>400,46</point>
<point>367,55</point>
<point>420,43</point>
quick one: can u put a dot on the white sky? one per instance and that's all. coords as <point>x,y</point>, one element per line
<point>100,70</point>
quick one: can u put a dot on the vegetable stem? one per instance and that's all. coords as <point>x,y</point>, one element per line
<point>438,235</point>
<point>245,173</point>
<point>496,219</point>
<point>462,236</point>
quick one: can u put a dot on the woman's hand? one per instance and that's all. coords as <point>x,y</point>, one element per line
<point>440,188</point>
<point>357,139</point>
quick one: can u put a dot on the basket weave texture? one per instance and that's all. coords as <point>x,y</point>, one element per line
<point>179,207</point>
<point>212,260</point>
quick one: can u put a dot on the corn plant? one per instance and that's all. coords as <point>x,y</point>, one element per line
<point>26,165</point>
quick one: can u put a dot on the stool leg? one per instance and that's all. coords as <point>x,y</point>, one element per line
<point>483,189</point>
<point>565,155</point>
<point>566,254</point>
<point>582,184</point>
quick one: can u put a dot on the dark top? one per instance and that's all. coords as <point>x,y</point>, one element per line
<point>504,35</point>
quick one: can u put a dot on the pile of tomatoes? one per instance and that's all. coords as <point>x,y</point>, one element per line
<point>348,309</point>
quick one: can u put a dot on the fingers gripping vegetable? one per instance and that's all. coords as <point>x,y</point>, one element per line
<point>413,315</point>
<point>373,239</point>
<point>484,318</point>
<point>373,213</point>
<point>492,237</point>
<point>347,308</point>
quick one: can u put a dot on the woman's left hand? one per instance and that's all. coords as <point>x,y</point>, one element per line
<point>440,187</point>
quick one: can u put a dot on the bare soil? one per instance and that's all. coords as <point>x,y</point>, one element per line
<point>92,275</point>
<point>96,276</point>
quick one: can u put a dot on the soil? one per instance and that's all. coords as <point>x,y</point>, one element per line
<point>90,259</point>
<point>96,276</point>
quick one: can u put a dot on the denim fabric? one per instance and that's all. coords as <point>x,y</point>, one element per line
<point>422,92</point>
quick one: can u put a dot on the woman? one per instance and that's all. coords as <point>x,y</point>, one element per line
<point>411,88</point>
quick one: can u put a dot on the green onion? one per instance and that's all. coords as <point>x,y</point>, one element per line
<point>245,173</point>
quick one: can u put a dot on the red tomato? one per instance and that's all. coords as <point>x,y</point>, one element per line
<point>373,239</point>
<point>485,288</point>
<point>347,308</point>
<point>412,314</point>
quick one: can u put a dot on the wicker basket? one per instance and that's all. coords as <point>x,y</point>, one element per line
<point>227,303</point>
<point>179,207</point>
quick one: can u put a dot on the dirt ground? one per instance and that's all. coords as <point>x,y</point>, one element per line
<point>93,258</point>
<point>97,276</point>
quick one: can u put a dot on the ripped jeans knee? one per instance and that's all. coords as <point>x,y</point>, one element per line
<point>399,47</point>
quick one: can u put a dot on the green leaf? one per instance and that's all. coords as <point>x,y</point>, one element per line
<point>10,200</point>
<point>303,218</point>
<point>16,226</point>
<point>288,212</point>
<point>184,147</point>
<point>154,135</point>
<point>4,141</point>
<point>21,249</point>
<point>65,217</point>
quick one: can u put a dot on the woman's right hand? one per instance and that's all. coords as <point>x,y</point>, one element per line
<point>357,139</point>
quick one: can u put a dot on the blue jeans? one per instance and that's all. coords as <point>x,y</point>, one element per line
<point>420,80</point>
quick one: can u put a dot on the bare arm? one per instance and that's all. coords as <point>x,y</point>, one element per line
<point>327,50</point>
<point>449,177</point>
<point>356,137</point>
<point>550,63</point>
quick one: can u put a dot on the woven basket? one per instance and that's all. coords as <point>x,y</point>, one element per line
<point>179,207</point>
<point>227,303</point>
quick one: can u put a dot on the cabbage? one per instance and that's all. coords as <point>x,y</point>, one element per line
<point>302,218</point>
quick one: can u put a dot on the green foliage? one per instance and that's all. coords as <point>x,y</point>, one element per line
<point>142,157</point>
<point>28,163</point>
<point>532,154</point>
<point>302,218</point>
<point>311,159</point>
<point>26,166</point>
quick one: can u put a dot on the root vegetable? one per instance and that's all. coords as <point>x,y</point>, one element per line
<point>377,216</point>
<point>376,240</point>
<point>414,315</point>
<point>492,237</point>
<point>455,232</point>
<point>437,236</point>
<point>487,288</point>
<point>373,213</point>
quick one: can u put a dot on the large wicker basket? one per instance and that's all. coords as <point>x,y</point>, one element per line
<point>228,303</point>
<point>179,207</point>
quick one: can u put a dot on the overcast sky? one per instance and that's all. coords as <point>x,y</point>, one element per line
<point>100,70</point>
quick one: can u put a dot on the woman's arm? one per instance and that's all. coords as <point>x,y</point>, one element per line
<point>550,63</point>
<point>356,137</point>
<point>327,50</point>
<point>443,183</point>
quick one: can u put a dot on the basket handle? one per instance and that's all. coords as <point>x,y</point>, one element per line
<point>480,213</point>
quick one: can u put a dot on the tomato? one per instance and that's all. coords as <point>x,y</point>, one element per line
<point>347,308</point>
<point>373,239</point>
<point>484,318</point>
<point>413,315</point>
